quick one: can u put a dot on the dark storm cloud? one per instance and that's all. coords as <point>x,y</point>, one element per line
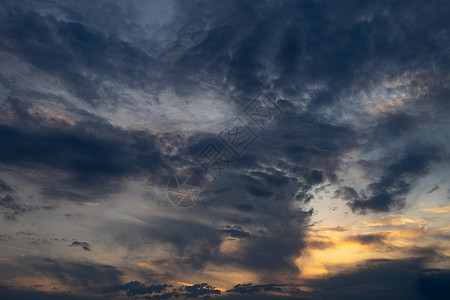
<point>397,123</point>
<point>355,48</point>
<point>335,49</point>
<point>258,191</point>
<point>368,239</point>
<point>313,55</point>
<point>261,196</point>
<point>302,42</point>
<point>433,252</point>
<point>390,191</point>
<point>92,153</point>
<point>277,258</point>
<point>309,41</point>
<point>253,289</point>
<point>390,279</point>
<point>193,244</point>
<point>82,274</point>
<point>66,49</point>
<point>88,276</point>
<point>136,288</point>
<point>352,49</point>
<point>269,223</point>
<point>19,294</point>
<point>164,291</point>
<point>235,231</point>
<point>434,283</point>
<point>58,150</point>
<point>312,146</point>
<point>200,290</point>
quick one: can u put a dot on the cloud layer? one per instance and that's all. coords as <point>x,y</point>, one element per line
<point>344,109</point>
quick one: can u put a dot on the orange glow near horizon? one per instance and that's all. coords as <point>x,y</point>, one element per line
<point>334,250</point>
<point>444,209</point>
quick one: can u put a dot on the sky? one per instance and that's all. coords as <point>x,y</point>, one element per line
<point>166,149</point>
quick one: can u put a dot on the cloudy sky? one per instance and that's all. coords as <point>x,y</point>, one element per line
<point>165,149</point>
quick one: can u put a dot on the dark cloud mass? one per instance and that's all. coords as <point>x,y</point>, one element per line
<point>394,185</point>
<point>251,289</point>
<point>84,245</point>
<point>345,105</point>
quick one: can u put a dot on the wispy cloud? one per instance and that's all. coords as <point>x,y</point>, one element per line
<point>440,210</point>
<point>394,220</point>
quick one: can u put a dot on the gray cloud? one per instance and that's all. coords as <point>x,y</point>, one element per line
<point>87,276</point>
<point>84,245</point>
<point>366,78</point>
<point>390,191</point>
